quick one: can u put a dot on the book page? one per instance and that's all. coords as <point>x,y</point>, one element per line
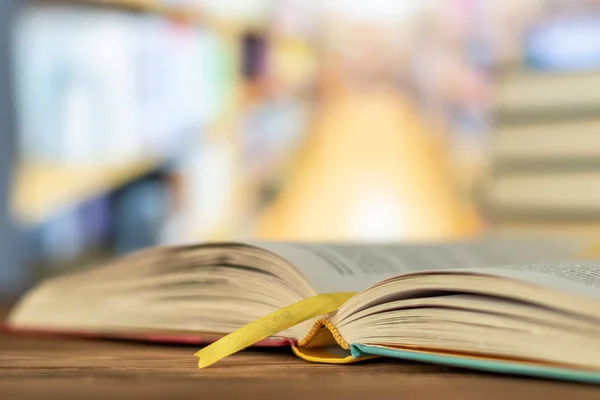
<point>354,267</point>
<point>576,277</point>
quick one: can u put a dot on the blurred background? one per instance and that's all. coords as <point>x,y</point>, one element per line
<point>131,123</point>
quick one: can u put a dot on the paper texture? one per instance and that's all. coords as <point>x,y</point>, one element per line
<point>354,267</point>
<point>576,277</point>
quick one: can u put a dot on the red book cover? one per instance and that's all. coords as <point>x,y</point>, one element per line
<point>140,336</point>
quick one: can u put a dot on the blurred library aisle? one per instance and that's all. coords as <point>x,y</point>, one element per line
<point>131,123</point>
<point>369,172</point>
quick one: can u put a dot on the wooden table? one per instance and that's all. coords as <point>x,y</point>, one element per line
<point>34,367</point>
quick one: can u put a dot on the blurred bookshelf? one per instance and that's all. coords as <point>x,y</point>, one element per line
<point>115,103</point>
<point>43,190</point>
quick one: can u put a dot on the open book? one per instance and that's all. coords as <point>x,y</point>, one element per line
<point>513,306</point>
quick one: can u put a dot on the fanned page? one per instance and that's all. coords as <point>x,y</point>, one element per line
<point>536,319</point>
<point>354,267</point>
<point>580,278</point>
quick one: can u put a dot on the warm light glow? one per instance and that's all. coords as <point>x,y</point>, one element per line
<point>379,217</point>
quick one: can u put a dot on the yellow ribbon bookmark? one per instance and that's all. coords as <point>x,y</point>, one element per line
<point>270,325</point>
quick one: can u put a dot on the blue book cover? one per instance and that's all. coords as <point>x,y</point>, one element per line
<point>482,364</point>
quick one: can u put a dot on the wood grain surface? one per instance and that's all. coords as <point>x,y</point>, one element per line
<point>35,367</point>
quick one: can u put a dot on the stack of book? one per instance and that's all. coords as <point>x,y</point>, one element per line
<point>545,153</point>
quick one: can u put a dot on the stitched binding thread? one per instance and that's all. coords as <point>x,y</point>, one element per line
<point>324,322</point>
